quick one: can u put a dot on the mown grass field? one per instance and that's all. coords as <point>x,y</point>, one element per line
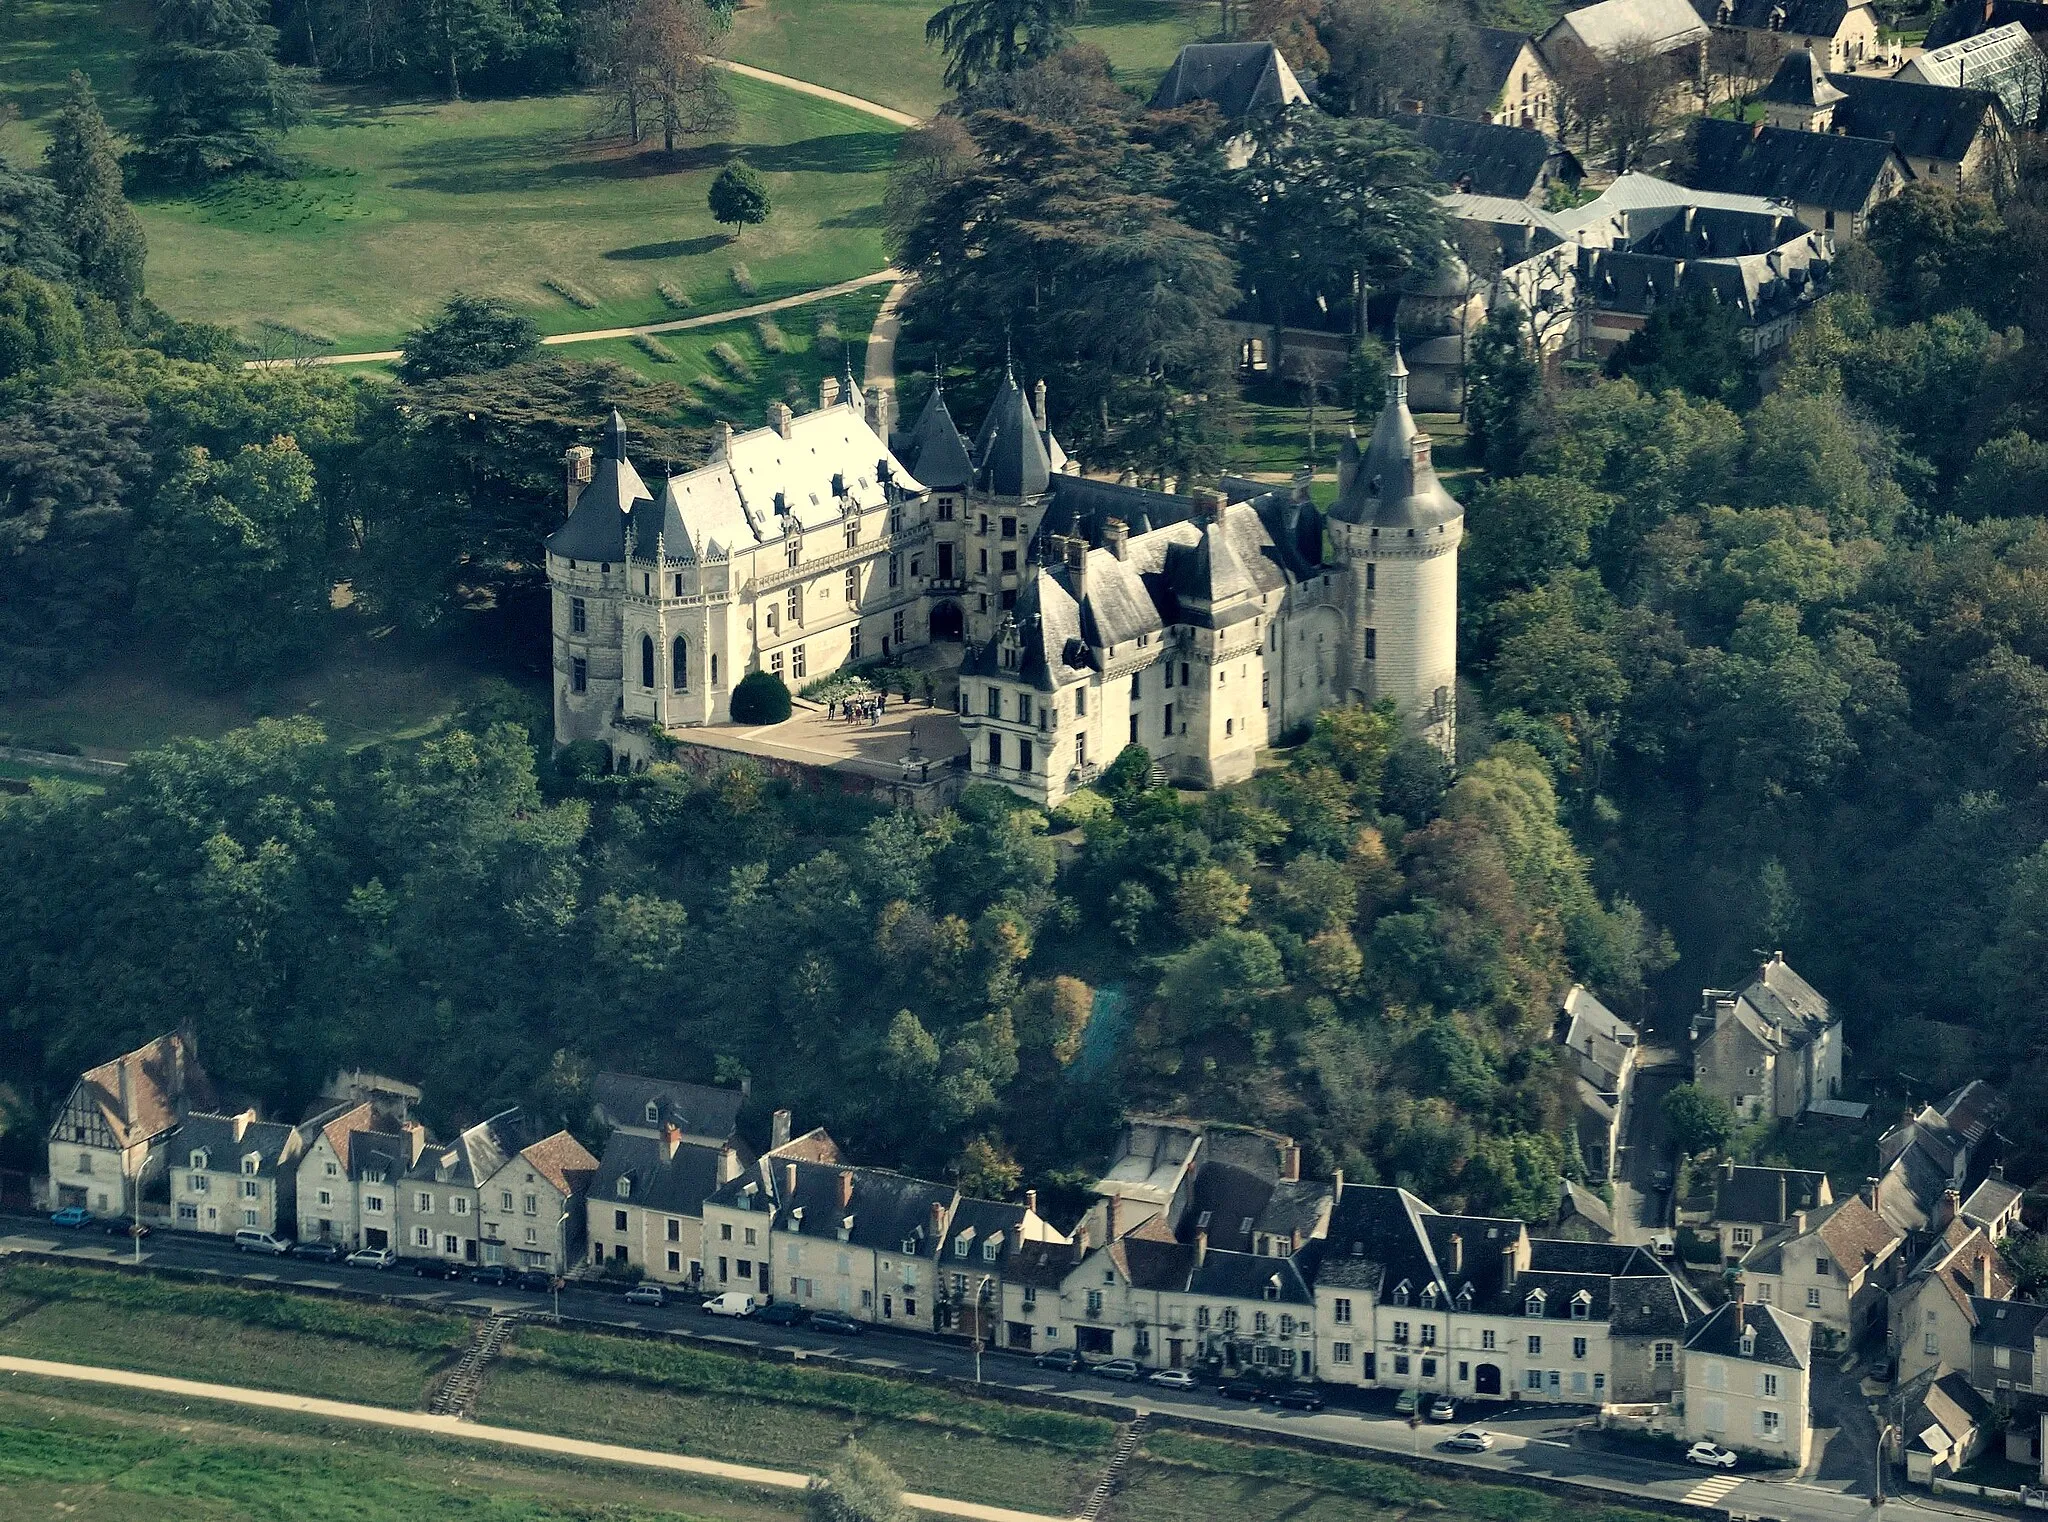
<point>876,49</point>
<point>116,1456</point>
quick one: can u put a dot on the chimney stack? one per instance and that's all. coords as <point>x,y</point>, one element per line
<point>576,468</point>
<point>1782,1203</point>
<point>1336,1184</point>
<point>1457,1264</point>
<point>242,1123</point>
<point>1510,1270</point>
<point>1290,1163</point>
<point>1982,1274</point>
<point>1950,1202</point>
<point>938,1223</point>
<point>1208,504</point>
<point>1998,1173</point>
<point>1031,1201</point>
<point>1727,1170</point>
<point>778,1130</point>
<point>1741,1292</point>
<point>121,1068</point>
<point>416,1142</point>
<point>1799,1223</point>
<point>845,1189</point>
<point>671,1138</point>
<point>1116,536</point>
<point>788,1181</point>
<point>1201,1245</point>
<point>1076,550</point>
<point>828,392</point>
<point>1109,1219</point>
<point>779,417</point>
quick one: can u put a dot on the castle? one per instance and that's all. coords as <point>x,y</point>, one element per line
<point>1095,615</point>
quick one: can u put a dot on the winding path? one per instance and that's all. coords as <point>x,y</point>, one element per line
<point>472,1432</point>
<point>884,377</point>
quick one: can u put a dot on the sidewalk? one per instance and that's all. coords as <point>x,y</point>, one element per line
<point>464,1431</point>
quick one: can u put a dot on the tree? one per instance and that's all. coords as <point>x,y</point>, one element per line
<point>41,334</point>
<point>1693,344</point>
<point>858,1488</point>
<point>929,157</point>
<point>1502,385</point>
<point>2025,1255</point>
<point>760,698</point>
<point>1636,95</point>
<point>217,98</point>
<point>32,226</point>
<point>469,335</point>
<point>99,225</point>
<point>2008,478</point>
<point>1384,52</point>
<point>1698,1120</point>
<point>738,198</point>
<point>1522,529</point>
<point>677,39</point>
<point>1209,899</point>
<point>983,37</point>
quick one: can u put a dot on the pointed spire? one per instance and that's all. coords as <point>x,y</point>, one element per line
<point>850,391</point>
<point>1397,378</point>
<point>614,437</point>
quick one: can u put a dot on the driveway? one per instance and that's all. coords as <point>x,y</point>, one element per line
<point>1640,1205</point>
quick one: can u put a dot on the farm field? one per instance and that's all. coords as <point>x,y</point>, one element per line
<point>876,49</point>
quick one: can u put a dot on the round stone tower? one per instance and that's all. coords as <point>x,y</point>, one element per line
<point>1398,532</point>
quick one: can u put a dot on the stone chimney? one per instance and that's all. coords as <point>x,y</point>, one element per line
<point>1457,1256</point>
<point>1783,1203</point>
<point>1727,1170</point>
<point>1869,1193</point>
<point>845,1189</point>
<point>1109,1219</point>
<point>881,403</point>
<point>1031,1201</point>
<point>1510,1268</point>
<point>121,1069</point>
<point>778,1130</point>
<point>1336,1184</point>
<point>1290,1163</point>
<point>671,1138</point>
<point>779,417</point>
<point>1741,1292</point>
<point>1116,536</point>
<point>728,1163</point>
<point>1038,404</point>
<point>938,1223</point>
<point>1981,1274</point>
<point>577,464</point>
<point>1799,1223</point>
<point>828,392</point>
<point>1951,1201</point>
<point>789,1181</point>
<point>242,1123</point>
<point>416,1142</point>
<point>1076,549</point>
<point>1208,504</point>
<point>1756,129</point>
<point>1201,1245</point>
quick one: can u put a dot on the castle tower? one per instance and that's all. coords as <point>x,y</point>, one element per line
<point>1398,531</point>
<point>1800,96</point>
<point>587,585</point>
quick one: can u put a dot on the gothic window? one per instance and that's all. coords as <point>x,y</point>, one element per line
<point>714,671</point>
<point>852,532</point>
<point>852,585</point>
<point>895,570</point>
<point>679,664</point>
<point>791,551</point>
<point>646,660</point>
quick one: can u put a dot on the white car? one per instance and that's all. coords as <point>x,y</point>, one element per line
<point>732,1303</point>
<point>1709,1456</point>
<point>1174,1379</point>
<point>372,1257</point>
<point>1471,1440</point>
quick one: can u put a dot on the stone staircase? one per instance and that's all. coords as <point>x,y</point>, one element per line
<point>458,1392</point>
<point>1112,1480</point>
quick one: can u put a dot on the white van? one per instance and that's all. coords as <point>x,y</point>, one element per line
<point>731,1303</point>
<point>249,1239</point>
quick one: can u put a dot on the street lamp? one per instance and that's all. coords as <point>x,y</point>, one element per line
<point>555,1279</point>
<point>980,1294</point>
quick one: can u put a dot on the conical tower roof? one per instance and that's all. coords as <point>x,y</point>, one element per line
<point>1394,484</point>
<point>1010,457</point>
<point>935,453</point>
<point>1799,82</point>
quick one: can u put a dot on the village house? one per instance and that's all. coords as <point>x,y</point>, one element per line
<point>1771,1047</point>
<point>531,1210</point>
<point>1612,29</point>
<point>1958,138</point>
<point>111,1140</point>
<point>1842,34</point>
<point>672,1146</point>
<point>440,1194</point>
<point>235,1172</point>
<point>1751,1204</point>
<point>1832,183</point>
<point>1833,1266</point>
<point>1934,1316</point>
<point>1746,1370</point>
<point>1581,1216</point>
<point>1948,1424</point>
<point>1509,82</point>
<point>699,1113</point>
<point>1934,1152</point>
<point>988,1244</point>
<point>1604,1049</point>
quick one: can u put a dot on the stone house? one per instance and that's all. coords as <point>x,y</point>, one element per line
<point>1934,1152</point>
<point>1773,1046</point>
<point>1842,34</point>
<point>700,1113</point>
<point>531,1210</point>
<point>230,1172</point>
<point>1492,159</point>
<point>1959,138</point>
<point>1834,1267</point>
<point>439,1197</point>
<point>1948,1423</point>
<point>989,1243</point>
<point>2008,1350</point>
<point>1603,1049</point>
<point>1831,183</point>
<point>1746,1380</point>
<point>112,1137</point>
<point>1934,1312</point>
<point>329,1207</point>
<point>1241,80</point>
<point>1994,1205</point>
<point>646,1204</point>
<point>1752,1204</point>
<point>1509,82</point>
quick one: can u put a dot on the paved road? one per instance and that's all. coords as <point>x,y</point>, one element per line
<point>467,1431</point>
<point>1531,1440</point>
<point>1641,1205</point>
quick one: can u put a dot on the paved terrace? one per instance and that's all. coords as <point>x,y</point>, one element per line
<point>911,743</point>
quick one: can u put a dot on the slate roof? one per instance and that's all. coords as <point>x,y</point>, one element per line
<point>695,1109</point>
<point>1925,121</point>
<point>1925,1155</point>
<point>1382,486</point>
<point>1952,1260</point>
<point>215,1134</point>
<point>675,1185</point>
<point>163,1077</point>
<point>1801,18</point>
<point>1963,20</point>
<point>1495,50</point>
<point>1800,82</point>
<point>2003,58</point>
<point>886,1210</point>
<point>1577,1201</point>
<point>1767,1196</point>
<point>1612,25</point>
<point>1650,1305</point>
<point>1950,1407</point>
<point>1484,158</point>
<point>380,1152</point>
<point>934,450</point>
<point>1237,78</point>
<point>976,1222</point>
<point>1043,1265</point>
<point>1595,1034</point>
<point>475,1154</point>
<point>1990,1200</point>
<point>1807,168</point>
<point>2006,1323</point>
<point>1010,457</point>
<point>1780,1338</point>
<point>1246,1276</point>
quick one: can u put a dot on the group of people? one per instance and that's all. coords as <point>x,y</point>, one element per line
<point>857,708</point>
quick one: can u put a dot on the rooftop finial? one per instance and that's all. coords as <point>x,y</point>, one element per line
<point>1397,378</point>
<point>1009,368</point>
<point>614,436</point>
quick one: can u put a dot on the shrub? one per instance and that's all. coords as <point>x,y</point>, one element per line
<point>571,292</point>
<point>773,339</point>
<point>828,324</point>
<point>292,330</point>
<point>760,698</point>
<point>743,280</point>
<point>713,385</point>
<point>654,348</point>
<point>673,294</point>
<point>731,358</point>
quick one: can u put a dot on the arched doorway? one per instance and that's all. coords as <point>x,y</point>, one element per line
<point>1486,1379</point>
<point>948,622</point>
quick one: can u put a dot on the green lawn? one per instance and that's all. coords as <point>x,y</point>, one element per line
<point>120,1456</point>
<point>876,49</point>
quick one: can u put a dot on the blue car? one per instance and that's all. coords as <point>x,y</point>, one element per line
<point>73,1216</point>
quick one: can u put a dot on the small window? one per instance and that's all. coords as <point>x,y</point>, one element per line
<point>679,664</point>
<point>579,674</point>
<point>852,585</point>
<point>646,660</point>
<point>579,618</point>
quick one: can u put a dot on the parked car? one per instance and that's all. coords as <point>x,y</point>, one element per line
<point>1246,1389</point>
<point>251,1239</point>
<point>646,1294</point>
<point>1063,1361</point>
<point>734,1302</point>
<point>1120,1368</point>
<point>1408,1403</point>
<point>318,1252</point>
<point>782,1313</point>
<point>373,1257</point>
<point>1174,1379</point>
<point>1710,1456</point>
<point>1298,1398</point>
<point>72,1216</point>
<point>1443,1409</point>
<point>493,1273</point>
<point>836,1322</point>
<point>536,1280</point>
<point>436,1268</point>
<point>1471,1440</point>
<point>127,1229</point>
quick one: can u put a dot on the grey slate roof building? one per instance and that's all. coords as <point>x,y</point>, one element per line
<point>1801,83</point>
<point>2005,59</point>
<point>596,530</point>
<point>227,1140</point>
<point>1800,18</point>
<point>1772,1335</point>
<point>1238,78</point>
<point>933,449</point>
<point>1491,159</point>
<point>1767,1196</point>
<point>676,1182</point>
<point>1924,121</point>
<point>1392,485</point>
<point>1494,51</point>
<point>1964,19</point>
<point>700,1111</point>
<point>1843,176</point>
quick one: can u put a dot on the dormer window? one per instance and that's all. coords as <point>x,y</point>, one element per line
<point>1429,1297</point>
<point>1401,1293</point>
<point>909,1247</point>
<point>961,1247</point>
<point>1533,1306</point>
<point>988,1250</point>
<point>1748,1343</point>
<point>1582,1306</point>
<point>1465,1297</point>
<point>197,1161</point>
<point>250,1164</point>
<point>624,1186</point>
<point>653,1114</point>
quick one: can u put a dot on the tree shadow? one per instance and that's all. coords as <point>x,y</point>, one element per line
<point>491,165</point>
<point>676,248</point>
<point>860,216</point>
